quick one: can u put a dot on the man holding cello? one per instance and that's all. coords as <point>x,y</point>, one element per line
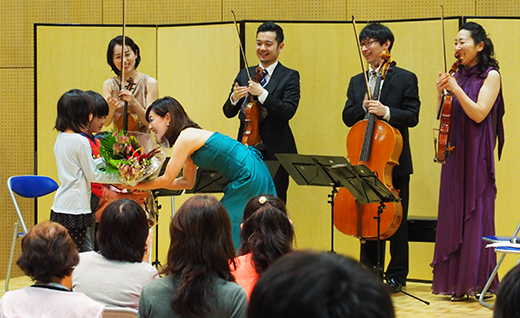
<point>277,93</point>
<point>398,105</point>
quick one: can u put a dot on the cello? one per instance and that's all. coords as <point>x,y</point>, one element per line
<point>366,137</point>
<point>385,143</point>
<point>251,134</point>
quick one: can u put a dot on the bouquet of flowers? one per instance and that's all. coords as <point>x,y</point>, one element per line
<point>134,156</point>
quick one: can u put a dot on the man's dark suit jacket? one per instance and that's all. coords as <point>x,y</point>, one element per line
<point>281,105</point>
<point>401,94</point>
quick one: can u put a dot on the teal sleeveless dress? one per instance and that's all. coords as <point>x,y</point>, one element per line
<point>243,166</point>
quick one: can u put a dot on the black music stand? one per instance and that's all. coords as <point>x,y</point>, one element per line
<point>210,180</point>
<point>364,185</point>
<point>161,193</point>
<point>337,172</point>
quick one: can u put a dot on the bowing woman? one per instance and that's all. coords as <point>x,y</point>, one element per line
<point>194,147</point>
<point>462,264</point>
<point>138,97</point>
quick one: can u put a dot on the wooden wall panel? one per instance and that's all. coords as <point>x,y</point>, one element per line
<point>18,18</point>
<point>16,152</point>
<point>162,11</point>
<point>497,8</point>
<point>407,9</point>
<point>285,10</point>
<point>506,212</point>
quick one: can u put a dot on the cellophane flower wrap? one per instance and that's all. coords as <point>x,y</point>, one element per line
<point>134,156</point>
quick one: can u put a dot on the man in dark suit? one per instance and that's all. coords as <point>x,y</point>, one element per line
<point>279,97</point>
<point>399,106</point>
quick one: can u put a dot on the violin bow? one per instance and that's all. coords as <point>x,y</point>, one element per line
<point>439,111</point>
<point>369,93</point>
<point>241,46</point>
<point>443,40</point>
<point>123,81</point>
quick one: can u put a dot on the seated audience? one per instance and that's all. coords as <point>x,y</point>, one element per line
<point>199,282</point>
<point>116,275</point>
<point>48,256</point>
<point>507,304</point>
<point>319,285</point>
<point>266,234</point>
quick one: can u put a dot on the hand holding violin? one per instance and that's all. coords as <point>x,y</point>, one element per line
<point>446,81</point>
<point>127,96</point>
<point>255,88</point>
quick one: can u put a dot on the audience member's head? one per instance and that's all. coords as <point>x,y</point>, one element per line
<point>201,250</point>
<point>320,285</point>
<point>507,304</point>
<point>48,253</point>
<point>123,230</point>
<point>267,232</point>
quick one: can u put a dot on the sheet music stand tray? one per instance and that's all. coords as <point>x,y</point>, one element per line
<point>210,180</point>
<point>332,171</point>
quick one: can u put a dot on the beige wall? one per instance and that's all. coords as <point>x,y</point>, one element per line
<point>322,91</point>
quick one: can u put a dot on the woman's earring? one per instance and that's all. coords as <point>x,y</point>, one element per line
<point>168,124</point>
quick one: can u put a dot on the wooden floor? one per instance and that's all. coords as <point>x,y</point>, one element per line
<point>440,306</point>
<point>405,306</point>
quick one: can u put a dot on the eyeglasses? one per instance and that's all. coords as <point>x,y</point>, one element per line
<point>368,43</point>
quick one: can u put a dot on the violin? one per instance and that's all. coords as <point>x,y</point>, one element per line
<point>128,121</point>
<point>378,145</point>
<point>251,135</point>
<point>441,134</point>
<point>441,141</point>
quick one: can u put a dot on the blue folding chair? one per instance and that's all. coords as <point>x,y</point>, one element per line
<point>27,187</point>
<point>500,249</point>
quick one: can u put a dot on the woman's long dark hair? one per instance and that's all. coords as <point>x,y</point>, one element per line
<point>179,118</point>
<point>201,251</point>
<point>266,232</point>
<point>486,57</point>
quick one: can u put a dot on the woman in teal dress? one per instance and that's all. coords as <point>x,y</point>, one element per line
<point>195,147</point>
